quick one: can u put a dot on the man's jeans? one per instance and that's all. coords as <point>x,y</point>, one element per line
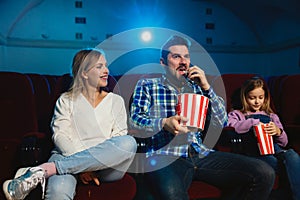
<point>239,177</point>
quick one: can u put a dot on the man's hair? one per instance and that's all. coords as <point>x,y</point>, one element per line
<point>172,41</point>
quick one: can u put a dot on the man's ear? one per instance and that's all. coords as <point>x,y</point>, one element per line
<point>163,62</point>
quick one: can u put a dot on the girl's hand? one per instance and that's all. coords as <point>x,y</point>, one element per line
<point>272,129</point>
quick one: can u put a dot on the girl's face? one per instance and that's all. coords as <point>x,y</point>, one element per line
<point>255,99</point>
<point>98,73</point>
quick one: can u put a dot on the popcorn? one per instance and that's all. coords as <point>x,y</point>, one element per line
<point>264,140</point>
<point>194,107</point>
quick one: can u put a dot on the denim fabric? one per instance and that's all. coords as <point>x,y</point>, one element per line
<point>262,118</point>
<point>287,165</point>
<point>109,160</point>
<point>291,161</point>
<point>240,177</point>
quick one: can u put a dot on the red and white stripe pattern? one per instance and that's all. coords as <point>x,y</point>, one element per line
<point>194,107</point>
<point>264,140</point>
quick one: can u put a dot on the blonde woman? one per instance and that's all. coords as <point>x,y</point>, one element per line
<point>89,132</point>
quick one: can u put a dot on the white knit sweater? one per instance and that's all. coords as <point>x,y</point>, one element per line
<point>77,126</point>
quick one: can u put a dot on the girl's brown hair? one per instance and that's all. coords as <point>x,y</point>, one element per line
<point>251,84</point>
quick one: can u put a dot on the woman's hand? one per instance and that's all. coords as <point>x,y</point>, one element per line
<point>87,177</point>
<point>272,129</point>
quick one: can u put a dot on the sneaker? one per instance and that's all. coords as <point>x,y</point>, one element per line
<point>26,179</point>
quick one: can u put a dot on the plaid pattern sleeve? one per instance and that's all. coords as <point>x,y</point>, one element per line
<point>218,109</point>
<point>155,99</point>
<point>152,102</point>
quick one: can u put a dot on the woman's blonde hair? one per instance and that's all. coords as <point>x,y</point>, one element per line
<point>251,84</point>
<point>83,61</point>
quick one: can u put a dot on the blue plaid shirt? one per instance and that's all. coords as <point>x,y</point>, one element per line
<point>155,99</point>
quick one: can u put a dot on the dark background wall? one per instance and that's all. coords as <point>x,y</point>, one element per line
<point>256,36</point>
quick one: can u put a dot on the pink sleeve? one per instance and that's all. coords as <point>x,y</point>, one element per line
<point>237,120</point>
<point>281,140</point>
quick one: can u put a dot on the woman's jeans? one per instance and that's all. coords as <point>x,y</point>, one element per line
<point>109,160</point>
<point>239,177</point>
<point>287,164</point>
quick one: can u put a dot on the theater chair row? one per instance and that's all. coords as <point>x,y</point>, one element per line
<point>27,103</point>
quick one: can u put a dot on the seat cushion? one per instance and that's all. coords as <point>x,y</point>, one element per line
<point>199,189</point>
<point>122,189</point>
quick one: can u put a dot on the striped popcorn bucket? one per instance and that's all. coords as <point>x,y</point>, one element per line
<point>193,107</point>
<point>264,140</point>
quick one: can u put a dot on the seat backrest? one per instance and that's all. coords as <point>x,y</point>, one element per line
<point>42,93</point>
<point>274,86</point>
<point>113,85</point>
<point>52,79</point>
<point>17,105</point>
<point>62,85</point>
<point>127,84</point>
<point>228,87</point>
<point>289,101</point>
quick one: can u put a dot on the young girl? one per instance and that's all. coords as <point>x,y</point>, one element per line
<point>256,109</point>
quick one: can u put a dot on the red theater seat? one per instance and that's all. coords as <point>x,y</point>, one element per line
<point>289,101</point>
<point>124,189</point>
<point>113,85</point>
<point>42,91</point>
<point>227,86</point>
<point>62,85</point>
<point>274,86</point>
<point>18,117</point>
<point>52,79</point>
<point>201,190</point>
<point>17,105</point>
<point>289,108</point>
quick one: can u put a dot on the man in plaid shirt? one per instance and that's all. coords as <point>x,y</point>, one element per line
<point>175,153</point>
